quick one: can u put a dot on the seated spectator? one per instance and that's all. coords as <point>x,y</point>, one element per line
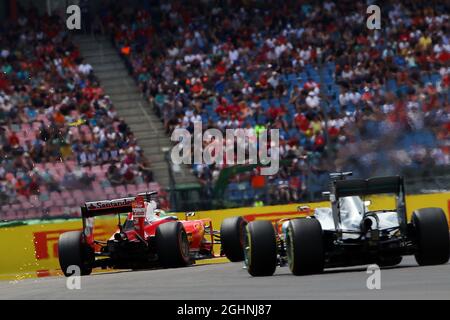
<point>70,181</point>
<point>114,176</point>
<point>287,62</point>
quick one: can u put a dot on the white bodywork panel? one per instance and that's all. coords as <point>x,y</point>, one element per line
<point>352,210</point>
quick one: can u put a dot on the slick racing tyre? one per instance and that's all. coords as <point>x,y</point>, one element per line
<point>432,236</point>
<point>74,251</point>
<point>304,246</point>
<point>260,248</point>
<point>232,238</point>
<point>172,245</point>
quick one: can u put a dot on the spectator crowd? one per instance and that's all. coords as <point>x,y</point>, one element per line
<point>58,130</point>
<point>344,97</point>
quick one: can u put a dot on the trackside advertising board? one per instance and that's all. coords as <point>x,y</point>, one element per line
<point>31,250</point>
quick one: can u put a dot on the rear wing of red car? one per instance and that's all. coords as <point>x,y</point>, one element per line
<point>106,207</point>
<point>93,209</point>
<point>114,206</point>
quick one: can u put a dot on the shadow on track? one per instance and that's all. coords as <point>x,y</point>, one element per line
<point>353,269</point>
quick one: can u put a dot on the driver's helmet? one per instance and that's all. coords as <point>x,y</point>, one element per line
<point>159,212</point>
<point>151,211</point>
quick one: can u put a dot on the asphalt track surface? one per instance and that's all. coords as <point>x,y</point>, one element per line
<point>229,281</point>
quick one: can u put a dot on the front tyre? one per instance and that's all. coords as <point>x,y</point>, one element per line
<point>304,246</point>
<point>260,248</point>
<point>74,251</point>
<point>432,236</point>
<point>172,245</point>
<point>232,238</point>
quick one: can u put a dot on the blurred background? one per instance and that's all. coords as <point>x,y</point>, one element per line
<point>88,114</point>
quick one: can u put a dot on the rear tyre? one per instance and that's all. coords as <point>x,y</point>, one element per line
<point>260,248</point>
<point>74,251</point>
<point>172,245</point>
<point>304,246</point>
<point>232,238</point>
<point>432,236</point>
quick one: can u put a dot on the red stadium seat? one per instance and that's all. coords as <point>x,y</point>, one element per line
<point>55,195</point>
<point>120,191</point>
<point>72,165</point>
<point>100,195</point>
<point>33,213</point>
<point>59,202</point>
<point>22,199</point>
<point>34,200</point>
<point>153,186</point>
<point>27,205</point>
<point>43,189</point>
<point>110,191</point>
<point>131,189</point>
<point>36,125</point>
<point>69,201</point>
<point>40,166</point>
<point>60,166</point>
<point>9,215</point>
<point>78,195</point>
<point>47,204</point>
<point>56,211</point>
<point>66,195</point>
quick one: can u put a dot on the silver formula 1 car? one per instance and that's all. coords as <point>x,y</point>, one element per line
<point>348,233</point>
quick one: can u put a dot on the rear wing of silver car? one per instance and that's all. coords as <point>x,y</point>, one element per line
<point>340,187</point>
<point>372,186</point>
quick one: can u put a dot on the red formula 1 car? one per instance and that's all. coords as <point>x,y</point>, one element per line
<point>147,238</point>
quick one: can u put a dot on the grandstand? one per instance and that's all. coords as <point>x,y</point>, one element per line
<point>347,98</point>
<point>343,97</point>
<point>62,140</point>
